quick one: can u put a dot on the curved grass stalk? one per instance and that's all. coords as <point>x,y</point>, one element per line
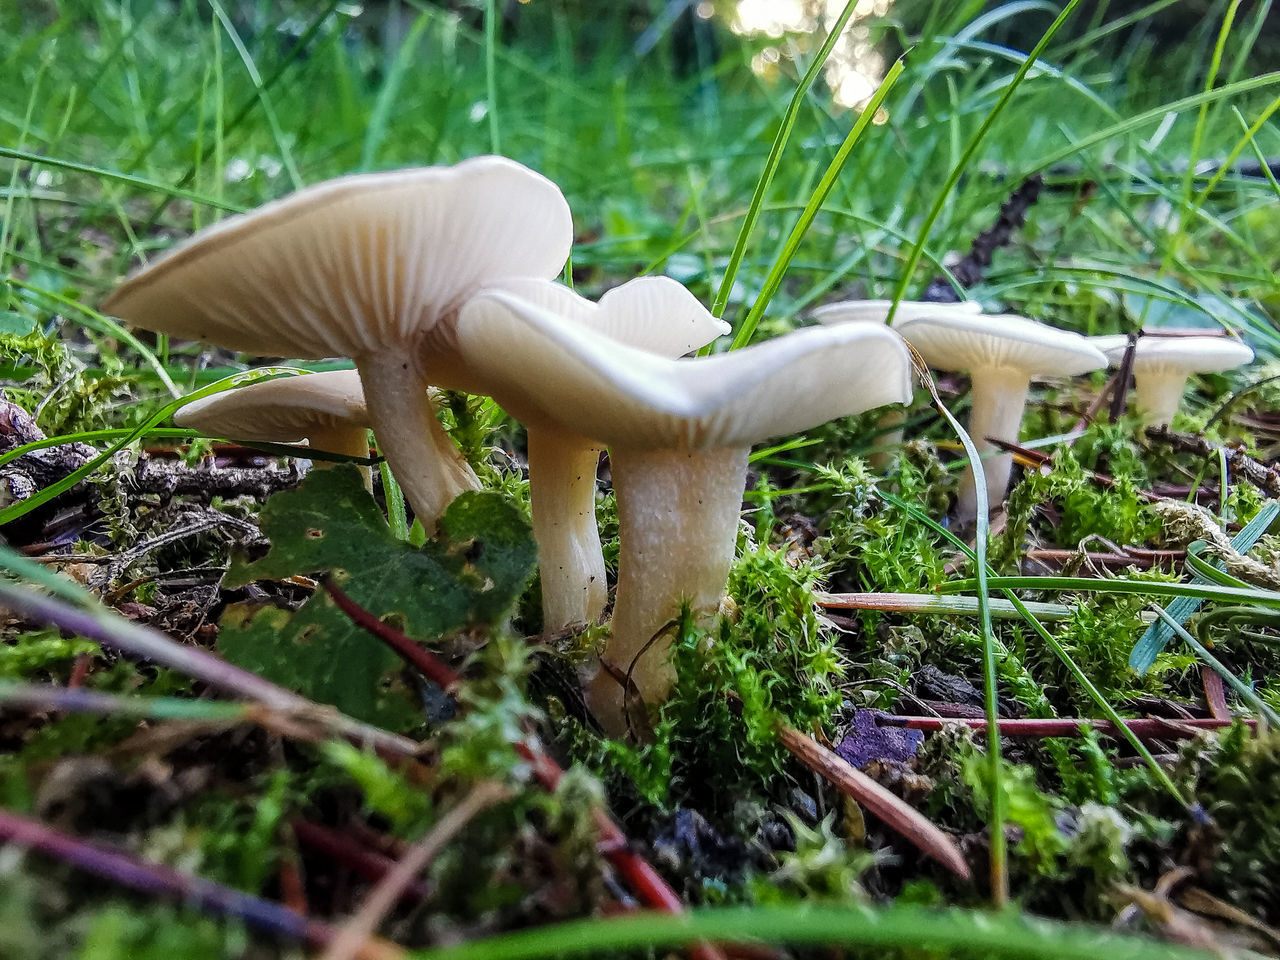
<point>999,851</point>
<point>958,170</point>
<point>721,298</point>
<point>23,507</point>
<point>913,929</point>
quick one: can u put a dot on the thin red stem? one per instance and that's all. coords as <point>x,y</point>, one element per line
<point>645,882</point>
<point>1149,729</point>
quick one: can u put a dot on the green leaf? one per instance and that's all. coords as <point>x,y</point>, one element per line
<point>14,324</point>
<point>469,576</point>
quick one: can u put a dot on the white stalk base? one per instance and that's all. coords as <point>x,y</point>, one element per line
<point>678,522</point>
<point>1157,396</point>
<point>429,468</point>
<point>562,489</point>
<point>999,398</point>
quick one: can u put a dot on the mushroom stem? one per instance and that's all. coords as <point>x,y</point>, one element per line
<point>678,519</point>
<point>999,398</point>
<point>1159,393</point>
<point>430,469</point>
<point>889,436</point>
<point>348,441</point>
<point>562,488</point>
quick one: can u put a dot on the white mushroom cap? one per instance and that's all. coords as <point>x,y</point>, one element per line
<point>1161,366</point>
<point>1002,354</point>
<point>284,410</point>
<point>877,311</point>
<point>655,314</point>
<point>347,267</point>
<point>615,393</point>
<point>972,342</point>
<point>1186,355</point>
<point>363,267</point>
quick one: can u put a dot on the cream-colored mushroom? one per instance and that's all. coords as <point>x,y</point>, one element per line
<point>1161,366</point>
<point>877,311</point>
<point>679,432</point>
<point>368,267</point>
<point>325,409</point>
<point>1001,355</point>
<point>654,314</point>
<point>889,437</point>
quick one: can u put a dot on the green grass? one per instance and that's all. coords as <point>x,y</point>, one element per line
<point>127,126</point>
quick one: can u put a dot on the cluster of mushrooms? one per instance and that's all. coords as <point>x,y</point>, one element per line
<point>445,278</point>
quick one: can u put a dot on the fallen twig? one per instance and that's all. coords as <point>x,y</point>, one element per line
<point>360,928</point>
<point>1263,476</point>
<point>638,873</point>
<point>143,642</point>
<point>896,813</point>
<point>1151,728</point>
<point>126,870</point>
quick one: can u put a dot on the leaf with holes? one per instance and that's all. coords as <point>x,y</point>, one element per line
<point>469,576</point>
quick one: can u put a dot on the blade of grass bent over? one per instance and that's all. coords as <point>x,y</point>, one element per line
<point>958,171</point>
<point>1220,668</point>
<point>1158,635</point>
<point>9,153</point>
<point>991,707</point>
<point>775,156</point>
<point>1059,651</point>
<point>43,496</point>
<point>779,268</point>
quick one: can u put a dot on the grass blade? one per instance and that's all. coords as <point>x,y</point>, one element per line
<point>779,268</point>
<point>780,139</point>
<point>958,170</point>
<point>908,928</point>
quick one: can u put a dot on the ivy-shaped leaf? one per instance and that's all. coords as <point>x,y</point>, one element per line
<point>469,576</point>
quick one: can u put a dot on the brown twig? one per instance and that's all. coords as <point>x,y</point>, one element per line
<point>360,928</point>
<point>1148,729</point>
<point>638,873</point>
<point>124,869</point>
<point>971,267</point>
<point>1263,476</point>
<point>1147,559</point>
<point>896,814</point>
<point>1095,406</point>
<point>371,865</point>
<point>1215,695</point>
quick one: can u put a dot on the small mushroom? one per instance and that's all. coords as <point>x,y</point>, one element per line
<point>373,267</point>
<point>889,437</point>
<point>654,314</point>
<point>877,311</point>
<point>679,432</point>
<point>325,409</point>
<point>1161,366</point>
<point>1001,354</point>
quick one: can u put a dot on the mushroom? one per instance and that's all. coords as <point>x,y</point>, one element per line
<point>1001,354</point>
<point>877,311</point>
<point>889,437</point>
<point>325,409</point>
<point>654,314</point>
<point>679,432</point>
<point>1161,366</point>
<point>370,267</point>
